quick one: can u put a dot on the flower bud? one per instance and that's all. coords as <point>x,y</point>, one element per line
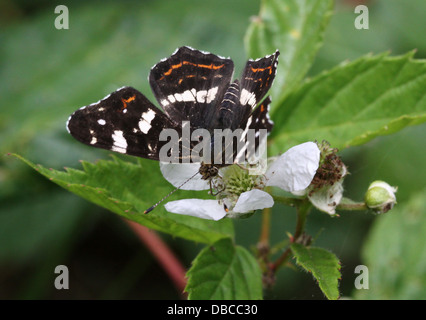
<point>380,196</point>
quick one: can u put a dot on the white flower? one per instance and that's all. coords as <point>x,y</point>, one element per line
<point>292,171</point>
<point>295,169</point>
<point>253,200</point>
<point>327,198</point>
<point>326,190</point>
<point>213,210</point>
<point>179,173</point>
<point>206,209</point>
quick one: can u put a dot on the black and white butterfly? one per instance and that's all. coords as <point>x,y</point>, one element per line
<point>190,85</point>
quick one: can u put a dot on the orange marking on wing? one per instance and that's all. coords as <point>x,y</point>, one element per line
<point>262,69</point>
<point>262,108</point>
<point>188,76</point>
<point>126,101</point>
<point>177,66</point>
<point>207,66</point>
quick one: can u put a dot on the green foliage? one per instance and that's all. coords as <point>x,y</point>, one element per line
<point>395,253</point>
<point>47,73</point>
<point>294,27</point>
<point>224,271</point>
<point>323,265</point>
<point>23,241</point>
<point>354,103</point>
<point>116,186</point>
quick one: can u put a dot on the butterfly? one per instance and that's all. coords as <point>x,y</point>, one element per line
<point>191,86</point>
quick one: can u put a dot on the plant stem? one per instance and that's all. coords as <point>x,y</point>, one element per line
<point>263,248</point>
<point>281,260</point>
<point>302,212</point>
<point>292,202</point>
<point>349,205</point>
<point>164,255</point>
<point>266,226</point>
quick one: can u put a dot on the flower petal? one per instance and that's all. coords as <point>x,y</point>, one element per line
<point>253,200</point>
<point>179,173</point>
<point>295,169</point>
<point>205,209</point>
<point>326,199</point>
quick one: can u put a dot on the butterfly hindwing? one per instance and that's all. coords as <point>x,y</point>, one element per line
<point>125,121</point>
<point>259,118</point>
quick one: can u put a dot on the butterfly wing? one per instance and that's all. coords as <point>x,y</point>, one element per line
<point>238,108</point>
<point>124,121</point>
<point>242,97</point>
<point>190,84</point>
<point>257,121</point>
<point>257,78</point>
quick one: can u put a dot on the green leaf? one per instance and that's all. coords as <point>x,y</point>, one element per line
<point>128,189</point>
<point>323,265</point>
<point>28,226</point>
<point>395,253</point>
<point>46,74</point>
<point>224,271</point>
<point>353,103</point>
<point>294,27</point>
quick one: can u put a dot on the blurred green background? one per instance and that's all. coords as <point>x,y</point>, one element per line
<point>46,74</point>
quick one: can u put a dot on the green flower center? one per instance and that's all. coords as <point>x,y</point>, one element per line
<point>238,180</point>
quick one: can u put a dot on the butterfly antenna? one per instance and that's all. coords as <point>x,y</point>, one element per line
<point>168,195</point>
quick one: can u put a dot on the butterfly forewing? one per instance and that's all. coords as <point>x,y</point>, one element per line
<point>125,121</point>
<point>257,78</point>
<point>238,108</point>
<point>243,96</point>
<point>190,84</point>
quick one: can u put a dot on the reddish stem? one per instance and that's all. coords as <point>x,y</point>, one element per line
<point>163,254</point>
